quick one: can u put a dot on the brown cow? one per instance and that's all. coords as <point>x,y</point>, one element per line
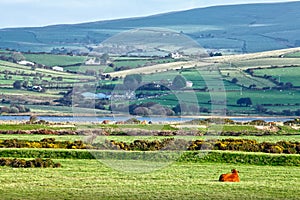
<point>231,177</point>
<point>105,122</point>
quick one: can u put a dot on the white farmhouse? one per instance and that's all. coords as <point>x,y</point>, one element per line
<point>189,84</point>
<point>93,61</point>
<point>176,55</point>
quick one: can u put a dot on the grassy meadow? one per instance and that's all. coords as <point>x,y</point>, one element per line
<point>54,60</point>
<point>288,74</point>
<point>136,161</point>
<point>82,179</point>
<point>147,175</point>
<point>129,139</point>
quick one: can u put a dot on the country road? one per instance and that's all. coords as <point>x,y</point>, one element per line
<point>204,62</point>
<point>160,68</point>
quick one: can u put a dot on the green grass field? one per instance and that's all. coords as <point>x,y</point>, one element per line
<point>13,127</point>
<point>288,74</point>
<point>293,55</point>
<point>258,97</point>
<point>245,79</point>
<point>129,139</point>
<point>82,179</point>
<point>117,176</point>
<point>53,60</point>
<point>268,62</point>
<point>15,67</point>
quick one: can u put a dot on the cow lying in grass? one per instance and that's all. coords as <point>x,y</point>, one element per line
<point>231,177</point>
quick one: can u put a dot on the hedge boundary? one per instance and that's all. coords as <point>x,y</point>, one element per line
<point>245,145</point>
<point>22,163</point>
<point>186,156</point>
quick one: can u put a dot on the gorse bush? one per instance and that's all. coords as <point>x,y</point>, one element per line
<point>187,156</point>
<point>44,143</point>
<point>21,163</point>
<point>225,144</point>
<point>245,145</point>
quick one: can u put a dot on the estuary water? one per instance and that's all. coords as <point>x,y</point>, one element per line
<point>124,118</point>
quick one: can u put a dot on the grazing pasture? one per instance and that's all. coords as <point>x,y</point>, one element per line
<point>285,75</point>
<point>194,175</point>
<point>129,139</point>
<point>90,179</point>
<point>53,60</point>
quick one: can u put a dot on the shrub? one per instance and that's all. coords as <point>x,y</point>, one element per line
<point>33,119</point>
<point>132,121</point>
<point>5,109</point>
<point>22,163</point>
<point>14,110</point>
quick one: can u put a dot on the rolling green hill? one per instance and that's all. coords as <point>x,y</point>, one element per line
<point>233,29</point>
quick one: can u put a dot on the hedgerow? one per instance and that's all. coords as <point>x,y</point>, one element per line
<point>22,163</point>
<point>240,158</point>
<point>286,147</point>
<point>44,143</point>
<point>161,156</point>
<point>225,144</point>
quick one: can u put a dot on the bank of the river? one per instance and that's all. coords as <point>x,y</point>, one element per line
<point>96,119</point>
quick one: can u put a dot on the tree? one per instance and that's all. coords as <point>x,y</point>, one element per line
<point>142,111</point>
<point>244,101</point>
<point>17,84</point>
<point>33,119</point>
<point>234,80</point>
<point>288,85</point>
<point>5,109</point>
<point>25,84</point>
<point>104,58</point>
<point>179,82</point>
<point>17,56</point>
<point>132,81</point>
<point>14,110</point>
<point>259,108</point>
<point>33,68</point>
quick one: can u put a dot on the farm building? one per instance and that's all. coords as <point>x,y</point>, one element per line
<point>57,68</point>
<point>37,88</point>
<point>27,63</point>
<point>189,84</point>
<point>176,55</point>
<point>100,96</point>
<point>93,61</point>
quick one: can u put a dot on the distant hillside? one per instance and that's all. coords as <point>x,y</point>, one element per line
<point>233,29</point>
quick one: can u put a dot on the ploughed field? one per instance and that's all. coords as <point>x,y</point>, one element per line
<point>129,168</point>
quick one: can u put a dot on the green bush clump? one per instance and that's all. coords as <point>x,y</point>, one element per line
<point>22,163</point>
<point>246,145</point>
<point>240,158</point>
<point>187,156</point>
<point>138,145</point>
<point>44,143</point>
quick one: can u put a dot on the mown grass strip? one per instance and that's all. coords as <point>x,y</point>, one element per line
<point>28,127</point>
